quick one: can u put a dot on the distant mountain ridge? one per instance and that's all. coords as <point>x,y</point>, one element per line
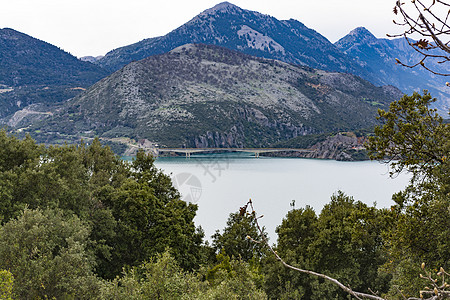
<point>379,56</point>
<point>26,61</point>
<point>256,34</point>
<point>33,71</point>
<point>246,31</point>
<point>34,76</point>
<point>208,96</point>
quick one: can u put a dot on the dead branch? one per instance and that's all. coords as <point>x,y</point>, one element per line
<point>439,291</point>
<point>426,18</point>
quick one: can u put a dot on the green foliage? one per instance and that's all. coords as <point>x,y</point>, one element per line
<point>151,216</point>
<point>72,214</point>
<point>15,158</point>
<point>414,137</point>
<point>233,278</point>
<point>349,246</point>
<point>242,282</point>
<point>16,153</point>
<point>343,242</point>
<point>46,251</point>
<point>133,210</point>
<point>160,278</point>
<point>235,241</point>
<point>163,278</point>
<point>6,285</point>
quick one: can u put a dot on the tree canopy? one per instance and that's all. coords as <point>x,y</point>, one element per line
<point>131,209</point>
<point>414,138</point>
<point>78,222</point>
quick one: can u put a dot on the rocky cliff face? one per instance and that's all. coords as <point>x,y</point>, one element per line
<point>208,96</point>
<point>338,147</point>
<point>342,146</point>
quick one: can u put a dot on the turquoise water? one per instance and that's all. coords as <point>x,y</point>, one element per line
<point>220,184</point>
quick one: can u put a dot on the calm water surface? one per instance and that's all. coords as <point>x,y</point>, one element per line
<point>220,184</point>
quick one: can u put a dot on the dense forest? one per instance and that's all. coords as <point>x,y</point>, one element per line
<point>77,222</point>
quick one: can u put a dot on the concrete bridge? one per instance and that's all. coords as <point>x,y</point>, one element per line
<point>256,151</point>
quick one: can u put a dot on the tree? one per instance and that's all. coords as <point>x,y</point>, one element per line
<point>343,242</point>
<point>427,19</point>
<point>151,217</point>
<point>415,138</point>
<point>234,242</point>
<point>438,282</point>
<point>162,278</point>
<point>234,278</point>
<point>295,236</point>
<point>159,278</point>
<point>16,156</point>
<point>237,265</point>
<point>46,251</point>
<point>6,285</point>
<point>133,209</point>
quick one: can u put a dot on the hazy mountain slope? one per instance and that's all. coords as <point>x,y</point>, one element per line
<point>247,31</point>
<point>378,55</point>
<point>208,96</point>
<point>33,71</point>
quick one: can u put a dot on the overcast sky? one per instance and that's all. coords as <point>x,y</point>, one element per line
<point>93,27</point>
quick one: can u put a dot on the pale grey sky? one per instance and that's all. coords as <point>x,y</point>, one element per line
<point>93,27</point>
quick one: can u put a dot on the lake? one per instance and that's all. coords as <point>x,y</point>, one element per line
<point>222,183</point>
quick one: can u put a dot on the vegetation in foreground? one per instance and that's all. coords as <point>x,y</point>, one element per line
<point>79,223</point>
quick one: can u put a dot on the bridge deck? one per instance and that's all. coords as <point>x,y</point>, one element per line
<point>260,150</point>
<point>257,151</point>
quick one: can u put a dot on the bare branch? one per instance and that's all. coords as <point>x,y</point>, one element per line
<point>347,289</point>
<point>427,19</point>
<point>438,292</point>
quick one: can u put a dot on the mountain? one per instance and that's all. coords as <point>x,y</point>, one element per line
<point>208,96</point>
<point>379,56</point>
<point>246,31</point>
<point>256,34</point>
<point>33,71</point>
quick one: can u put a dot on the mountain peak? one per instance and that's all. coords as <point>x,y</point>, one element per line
<point>359,35</point>
<point>362,32</point>
<point>246,31</point>
<point>222,7</point>
<point>4,32</point>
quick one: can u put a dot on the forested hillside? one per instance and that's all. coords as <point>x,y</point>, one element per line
<point>209,96</point>
<point>33,71</point>
<point>78,222</point>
